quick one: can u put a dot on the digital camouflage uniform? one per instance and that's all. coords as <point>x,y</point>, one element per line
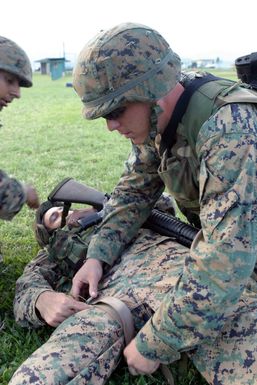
<point>136,279</point>
<point>211,171</point>
<point>86,348</point>
<point>14,60</point>
<point>12,196</point>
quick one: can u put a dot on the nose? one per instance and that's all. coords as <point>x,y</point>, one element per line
<point>15,90</point>
<point>112,124</point>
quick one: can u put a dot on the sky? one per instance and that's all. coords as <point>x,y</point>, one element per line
<point>195,29</point>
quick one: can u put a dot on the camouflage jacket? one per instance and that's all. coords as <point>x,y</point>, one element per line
<point>12,196</point>
<point>214,172</point>
<point>142,276</point>
<point>52,269</point>
<point>55,266</point>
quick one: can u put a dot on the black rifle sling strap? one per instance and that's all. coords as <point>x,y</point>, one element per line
<point>169,135</point>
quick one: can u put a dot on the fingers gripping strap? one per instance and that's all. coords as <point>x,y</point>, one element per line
<point>120,312</point>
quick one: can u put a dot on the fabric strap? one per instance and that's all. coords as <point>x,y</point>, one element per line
<point>169,135</point>
<point>119,311</point>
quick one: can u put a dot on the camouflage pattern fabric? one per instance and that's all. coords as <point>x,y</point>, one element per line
<point>95,75</point>
<point>86,348</point>
<point>223,257</point>
<point>56,265</point>
<point>12,196</point>
<point>14,59</point>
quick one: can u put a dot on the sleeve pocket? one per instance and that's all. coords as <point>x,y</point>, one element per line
<point>215,205</point>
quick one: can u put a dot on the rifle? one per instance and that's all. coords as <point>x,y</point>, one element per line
<point>70,191</point>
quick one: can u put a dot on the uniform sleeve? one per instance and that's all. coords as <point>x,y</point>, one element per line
<point>223,255</point>
<point>38,276</point>
<point>130,204</point>
<point>12,196</point>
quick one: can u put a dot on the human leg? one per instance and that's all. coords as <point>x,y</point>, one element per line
<point>232,358</point>
<point>84,349</point>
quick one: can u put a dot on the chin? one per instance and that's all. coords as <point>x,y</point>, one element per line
<point>138,140</point>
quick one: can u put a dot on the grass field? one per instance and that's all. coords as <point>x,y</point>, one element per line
<point>44,139</point>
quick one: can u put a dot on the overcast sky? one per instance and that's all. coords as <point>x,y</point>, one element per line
<point>195,29</point>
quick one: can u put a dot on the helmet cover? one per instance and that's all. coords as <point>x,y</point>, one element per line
<point>14,60</point>
<point>128,63</point>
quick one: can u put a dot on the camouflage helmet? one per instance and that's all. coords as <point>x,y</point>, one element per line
<point>42,233</point>
<point>14,60</point>
<point>128,63</point>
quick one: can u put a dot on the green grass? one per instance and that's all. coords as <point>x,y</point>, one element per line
<point>44,139</point>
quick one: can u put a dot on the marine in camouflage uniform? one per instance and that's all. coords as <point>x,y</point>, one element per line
<point>211,171</point>
<point>95,340</point>
<point>87,347</point>
<point>15,72</point>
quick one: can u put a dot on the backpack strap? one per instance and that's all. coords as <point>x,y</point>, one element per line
<point>169,135</point>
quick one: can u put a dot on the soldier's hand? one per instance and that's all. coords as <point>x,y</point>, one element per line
<point>32,199</point>
<point>72,219</point>
<point>89,276</point>
<point>55,307</point>
<point>138,364</point>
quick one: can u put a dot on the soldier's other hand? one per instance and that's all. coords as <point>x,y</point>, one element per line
<point>138,364</point>
<point>55,307</point>
<point>88,276</point>
<point>32,199</point>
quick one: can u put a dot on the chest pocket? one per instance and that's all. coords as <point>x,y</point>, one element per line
<point>180,173</point>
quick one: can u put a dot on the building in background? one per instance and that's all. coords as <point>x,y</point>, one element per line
<point>55,67</point>
<point>206,63</point>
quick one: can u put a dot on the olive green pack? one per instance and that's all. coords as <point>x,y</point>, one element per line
<point>208,99</point>
<point>181,174</point>
<point>68,249</point>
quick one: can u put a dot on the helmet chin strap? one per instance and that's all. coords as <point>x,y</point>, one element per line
<point>156,110</point>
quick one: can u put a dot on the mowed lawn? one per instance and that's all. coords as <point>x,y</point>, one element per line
<point>44,139</point>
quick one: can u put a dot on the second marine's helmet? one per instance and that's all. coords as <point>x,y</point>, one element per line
<point>128,63</point>
<point>14,60</point>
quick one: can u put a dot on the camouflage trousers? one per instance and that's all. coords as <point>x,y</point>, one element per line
<point>86,348</point>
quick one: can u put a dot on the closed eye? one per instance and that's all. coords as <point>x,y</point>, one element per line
<point>53,217</point>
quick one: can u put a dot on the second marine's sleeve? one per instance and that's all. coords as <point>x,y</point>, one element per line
<point>12,196</point>
<point>130,204</point>
<point>223,255</point>
<point>38,276</point>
